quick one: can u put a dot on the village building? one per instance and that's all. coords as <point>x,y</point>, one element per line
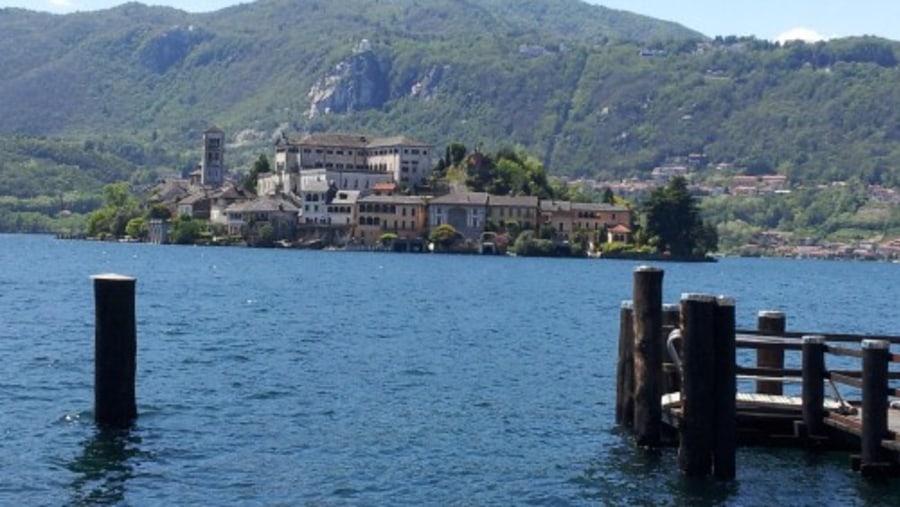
<point>353,162</point>
<point>212,165</point>
<point>465,211</point>
<point>405,216</point>
<point>523,210</point>
<point>568,218</point>
<point>247,217</point>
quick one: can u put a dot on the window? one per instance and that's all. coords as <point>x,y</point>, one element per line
<point>412,212</point>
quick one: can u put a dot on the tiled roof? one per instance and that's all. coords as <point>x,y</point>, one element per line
<point>463,198</point>
<point>356,141</point>
<point>393,199</point>
<point>556,206</point>
<point>326,139</point>
<point>395,141</point>
<point>263,204</point>
<point>508,200</point>
<point>594,206</point>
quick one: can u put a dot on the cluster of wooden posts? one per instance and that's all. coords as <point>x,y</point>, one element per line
<point>677,382</point>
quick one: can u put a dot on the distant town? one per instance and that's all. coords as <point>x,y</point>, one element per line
<point>355,191</point>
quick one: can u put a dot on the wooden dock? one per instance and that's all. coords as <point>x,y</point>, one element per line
<point>687,377</point>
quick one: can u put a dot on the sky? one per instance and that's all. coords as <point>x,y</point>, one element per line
<point>764,19</point>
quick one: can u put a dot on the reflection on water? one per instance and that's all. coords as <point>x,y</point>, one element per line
<point>104,467</point>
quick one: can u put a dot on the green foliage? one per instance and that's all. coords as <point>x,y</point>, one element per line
<point>137,228</point>
<point>672,215</point>
<point>159,211</point>
<point>119,207</point>
<point>444,236</point>
<point>185,231</point>
<point>529,245</point>
<point>265,235</point>
<point>260,166</point>
<point>387,238</point>
<point>591,91</point>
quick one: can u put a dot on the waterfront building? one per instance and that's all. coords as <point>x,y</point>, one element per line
<point>523,210</point>
<point>404,215</point>
<point>465,211</point>
<point>567,218</point>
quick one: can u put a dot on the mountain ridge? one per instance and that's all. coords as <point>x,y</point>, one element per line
<point>590,90</point>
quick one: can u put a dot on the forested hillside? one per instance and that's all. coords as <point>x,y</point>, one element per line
<point>89,98</point>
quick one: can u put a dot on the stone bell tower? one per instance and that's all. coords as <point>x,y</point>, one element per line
<point>212,167</point>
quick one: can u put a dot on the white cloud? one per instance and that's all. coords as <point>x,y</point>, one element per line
<point>800,33</point>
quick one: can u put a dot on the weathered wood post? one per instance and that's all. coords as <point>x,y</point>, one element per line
<point>671,378</point>
<point>874,405</point>
<point>813,384</point>
<point>648,352</point>
<point>698,327</point>
<point>770,323</point>
<point>625,367</point>
<point>115,350</point>
<point>725,389</point>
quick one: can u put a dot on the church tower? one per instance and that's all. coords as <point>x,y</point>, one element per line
<point>212,168</point>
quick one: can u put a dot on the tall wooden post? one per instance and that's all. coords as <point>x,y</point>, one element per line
<point>698,313</point>
<point>625,367</point>
<point>814,384</point>
<point>874,405</point>
<point>725,389</point>
<point>115,350</point>
<point>647,355</point>
<point>770,323</point>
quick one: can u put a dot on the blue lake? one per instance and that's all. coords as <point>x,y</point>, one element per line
<point>277,377</point>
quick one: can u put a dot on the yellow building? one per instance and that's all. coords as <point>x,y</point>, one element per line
<point>402,215</point>
<point>566,217</point>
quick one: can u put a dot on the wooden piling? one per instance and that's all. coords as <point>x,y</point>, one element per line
<point>648,353</point>
<point>115,350</point>
<point>813,395</point>
<point>625,367</point>
<point>770,323</point>
<point>725,390</point>
<point>670,381</point>
<point>698,327</point>
<point>874,405</point>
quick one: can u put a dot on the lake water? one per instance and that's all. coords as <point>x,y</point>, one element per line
<point>276,377</point>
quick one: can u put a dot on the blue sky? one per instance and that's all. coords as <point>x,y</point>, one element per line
<point>766,19</point>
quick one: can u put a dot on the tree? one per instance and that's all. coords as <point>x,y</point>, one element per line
<point>137,228</point>
<point>119,206</point>
<point>672,216</point>
<point>185,231</point>
<point>260,166</point>
<point>444,235</point>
